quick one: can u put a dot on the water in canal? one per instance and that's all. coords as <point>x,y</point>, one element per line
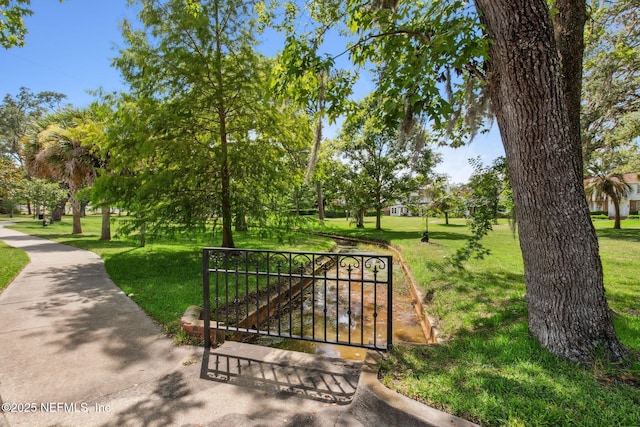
<point>361,299</point>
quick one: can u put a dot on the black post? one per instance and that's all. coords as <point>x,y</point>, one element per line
<point>206,294</point>
<point>390,304</point>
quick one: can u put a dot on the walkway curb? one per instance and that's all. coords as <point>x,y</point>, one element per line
<point>375,404</point>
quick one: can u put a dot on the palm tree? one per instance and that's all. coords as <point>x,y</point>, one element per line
<point>609,184</point>
<point>54,150</point>
<point>442,198</point>
<point>445,203</point>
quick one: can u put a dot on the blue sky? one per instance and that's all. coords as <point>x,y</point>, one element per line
<point>69,49</point>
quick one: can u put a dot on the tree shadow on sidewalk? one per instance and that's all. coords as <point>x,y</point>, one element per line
<point>170,398</point>
<point>84,307</point>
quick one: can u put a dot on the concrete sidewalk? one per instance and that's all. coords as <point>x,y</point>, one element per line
<point>75,350</point>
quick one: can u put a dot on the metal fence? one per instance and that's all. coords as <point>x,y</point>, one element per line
<point>335,298</point>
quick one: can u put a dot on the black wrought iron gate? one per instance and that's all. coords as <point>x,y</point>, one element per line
<point>336,298</point>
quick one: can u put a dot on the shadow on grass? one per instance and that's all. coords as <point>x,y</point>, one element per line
<point>625,298</point>
<point>63,236</point>
<point>504,377</point>
<point>443,235</point>
<point>453,225</point>
<point>143,261</point>
<point>387,236</point>
<point>506,282</point>
<point>632,235</point>
<point>468,301</point>
<point>505,313</point>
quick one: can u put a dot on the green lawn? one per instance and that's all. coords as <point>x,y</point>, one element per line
<point>164,277</point>
<point>12,261</point>
<point>490,371</point>
<point>487,370</point>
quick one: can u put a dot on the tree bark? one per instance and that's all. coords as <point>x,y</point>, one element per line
<point>105,232</point>
<point>241,221</point>
<point>58,211</point>
<point>143,234</point>
<point>616,208</point>
<point>568,25</point>
<point>77,224</point>
<point>320,201</point>
<point>227,233</point>
<point>360,218</point>
<point>568,312</point>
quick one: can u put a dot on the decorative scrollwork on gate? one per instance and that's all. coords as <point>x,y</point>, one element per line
<point>301,295</point>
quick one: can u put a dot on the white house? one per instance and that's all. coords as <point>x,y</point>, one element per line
<point>399,210</point>
<point>416,204</point>
<point>628,205</point>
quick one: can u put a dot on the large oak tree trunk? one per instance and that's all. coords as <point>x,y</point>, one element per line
<point>568,312</point>
<point>568,24</point>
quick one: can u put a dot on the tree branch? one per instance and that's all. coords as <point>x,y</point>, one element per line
<point>426,38</point>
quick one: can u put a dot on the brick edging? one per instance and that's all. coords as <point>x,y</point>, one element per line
<point>191,322</point>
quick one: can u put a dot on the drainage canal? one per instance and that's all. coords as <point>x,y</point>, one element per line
<point>406,326</point>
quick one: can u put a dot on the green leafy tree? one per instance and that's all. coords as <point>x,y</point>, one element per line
<point>43,193</point>
<point>329,173</point>
<point>211,134</point>
<point>93,137</point>
<point>269,167</point>
<point>11,177</point>
<point>529,61</point>
<point>166,179</point>
<point>16,114</point>
<point>442,198</point>
<point>12,28</point>
<point>611,85</point>
<point>119,152</point>
<point>313,94</point>
<point>488,194</point>
<point>379,163</point>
